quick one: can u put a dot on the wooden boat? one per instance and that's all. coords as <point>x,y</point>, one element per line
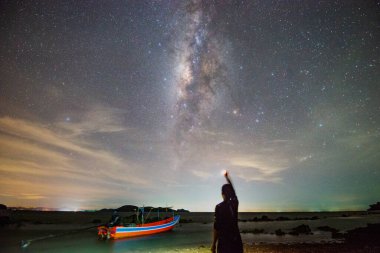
<point>138,230</point>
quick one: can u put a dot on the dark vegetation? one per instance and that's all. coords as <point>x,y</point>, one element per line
<point>374,207</point>
<point>4,215</point>
<point>132,208</point>
<point>96,221</point>
<point>128,213</point>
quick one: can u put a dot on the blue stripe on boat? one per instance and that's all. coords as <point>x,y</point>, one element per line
<point>140,229</point>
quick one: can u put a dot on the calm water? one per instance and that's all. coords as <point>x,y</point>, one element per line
<point>185,235</point>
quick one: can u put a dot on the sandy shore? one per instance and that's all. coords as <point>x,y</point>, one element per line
<point>295,248</point>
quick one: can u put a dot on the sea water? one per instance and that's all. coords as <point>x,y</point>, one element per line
<point>182,237</point>
<point>191,235</point>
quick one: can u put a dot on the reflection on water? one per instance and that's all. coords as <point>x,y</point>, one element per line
<point>180,237</point>
<point>184,236</point>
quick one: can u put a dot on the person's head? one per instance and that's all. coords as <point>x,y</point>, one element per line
<point>227,191</point>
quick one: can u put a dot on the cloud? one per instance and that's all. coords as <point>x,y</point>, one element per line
<point>229,143</point>
<point>24,130</point>
<point>97,119</point>
<point>260,161</point>
<point>258,168</point>
<point>201,174</point>
<point>49,160</point>
<point>31,196</point>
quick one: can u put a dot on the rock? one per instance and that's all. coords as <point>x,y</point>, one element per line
<point>281,218</point>
<point>328,229</point>
<point>364,236</point>
<point>279,232</point>
<point>301,229</point>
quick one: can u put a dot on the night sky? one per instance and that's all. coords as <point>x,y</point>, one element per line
<point>106,103</point>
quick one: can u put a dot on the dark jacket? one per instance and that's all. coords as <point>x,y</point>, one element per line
<point>226,223</point>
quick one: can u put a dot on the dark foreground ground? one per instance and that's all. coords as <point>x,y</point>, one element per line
<point>311,248</point>
<point>294,248</point>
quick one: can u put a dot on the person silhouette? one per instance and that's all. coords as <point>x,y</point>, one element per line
<point>226,236</point>
<point>115,219</point>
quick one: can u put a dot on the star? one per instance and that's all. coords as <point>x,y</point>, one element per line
<point>185,89</point>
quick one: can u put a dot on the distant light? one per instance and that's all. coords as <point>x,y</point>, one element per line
<point>70,208</point>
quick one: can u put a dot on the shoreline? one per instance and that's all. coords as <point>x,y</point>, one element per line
<point>194,234</point>
<point>31,231</point>
<point>286,248</point>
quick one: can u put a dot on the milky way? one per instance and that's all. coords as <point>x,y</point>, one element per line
<point>201,72</point>
<point>145,102</point>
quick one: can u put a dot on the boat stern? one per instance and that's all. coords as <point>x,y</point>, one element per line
<point>105,232</point>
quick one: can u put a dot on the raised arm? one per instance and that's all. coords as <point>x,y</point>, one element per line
<point>226,175</point>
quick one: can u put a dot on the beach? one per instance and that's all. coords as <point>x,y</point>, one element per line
<point>297,248</point>
<point>261,232</point>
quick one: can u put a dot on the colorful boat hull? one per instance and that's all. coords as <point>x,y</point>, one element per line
<point>138,230</point>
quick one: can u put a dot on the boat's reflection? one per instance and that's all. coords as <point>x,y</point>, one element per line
<point>144,243</point>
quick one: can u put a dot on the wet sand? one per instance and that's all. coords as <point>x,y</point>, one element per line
<point>296,248</point>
